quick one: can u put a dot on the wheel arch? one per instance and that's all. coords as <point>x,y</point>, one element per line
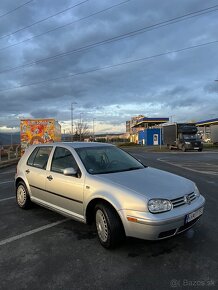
<point>89,212</point>
<point>19,179</point>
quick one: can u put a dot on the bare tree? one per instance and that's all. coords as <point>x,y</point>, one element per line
<point>82,131</point>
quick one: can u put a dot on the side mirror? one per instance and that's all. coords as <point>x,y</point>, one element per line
<point>70,171</point>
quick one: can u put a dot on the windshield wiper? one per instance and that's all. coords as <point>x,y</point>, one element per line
<point>132,168</point>
<point>120,170</point>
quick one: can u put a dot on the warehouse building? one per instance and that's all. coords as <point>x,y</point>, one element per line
<point>208,130</point>
<point>147,131</point>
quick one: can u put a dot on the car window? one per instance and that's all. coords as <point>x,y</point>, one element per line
<point>63,159</point>
<point>32,157</point>
<point>41,157</point>
<point>107,159</point>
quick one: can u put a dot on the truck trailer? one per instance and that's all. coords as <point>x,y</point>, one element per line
<point>35,131</point>
<point>182,136</point>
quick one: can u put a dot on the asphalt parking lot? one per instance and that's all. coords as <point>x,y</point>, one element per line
<point>40,249</point>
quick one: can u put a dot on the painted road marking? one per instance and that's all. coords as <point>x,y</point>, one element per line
<point>4,199</point>
<point>8,181</point>
<point>191,169</point>
<point>29,233</point>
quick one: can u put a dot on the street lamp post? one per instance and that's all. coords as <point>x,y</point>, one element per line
<point>80,127</point>
<point>93,128</point>
<point>73,103</point>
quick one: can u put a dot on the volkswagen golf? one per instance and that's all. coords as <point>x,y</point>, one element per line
<point>102,184</point>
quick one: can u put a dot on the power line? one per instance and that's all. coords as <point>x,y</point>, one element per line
<point>112,66</point>
<point>11,11</point>
<point>62,26</point>
<point>44,19</point>
<point>115,38</point>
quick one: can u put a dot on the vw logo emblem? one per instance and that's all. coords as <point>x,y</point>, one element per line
<point>187,199</point>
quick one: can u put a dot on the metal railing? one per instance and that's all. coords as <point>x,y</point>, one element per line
<point>9,152</point>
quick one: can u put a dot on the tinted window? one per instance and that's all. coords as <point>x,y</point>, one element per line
<point>62,159</point>
<point>32,157</point>
<point>41,158</point>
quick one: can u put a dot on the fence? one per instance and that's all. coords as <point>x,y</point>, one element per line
<point>9,152</point>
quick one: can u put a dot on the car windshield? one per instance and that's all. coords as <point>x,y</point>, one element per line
<point>107,159</point>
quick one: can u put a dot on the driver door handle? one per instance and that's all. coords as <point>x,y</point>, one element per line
<point>49,177</point>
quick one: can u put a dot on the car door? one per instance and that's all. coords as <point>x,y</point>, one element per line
<point>65,192</point>
<point>35,170</point>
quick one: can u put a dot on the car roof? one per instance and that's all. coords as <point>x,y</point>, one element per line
<point>76,144</point>
<point>85,144</point>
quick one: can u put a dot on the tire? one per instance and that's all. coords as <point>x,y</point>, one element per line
<point>183,149</point>
<point>169,147</point>
<point>108,226</point>
<point>22,196</point>
<point>200,150</point>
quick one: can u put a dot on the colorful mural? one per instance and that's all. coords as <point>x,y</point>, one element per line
<point>35,131</point>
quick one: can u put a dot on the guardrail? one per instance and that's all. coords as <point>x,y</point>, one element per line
<point>9,152</point>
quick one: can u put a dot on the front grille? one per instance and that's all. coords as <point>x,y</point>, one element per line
<point>181,200</point>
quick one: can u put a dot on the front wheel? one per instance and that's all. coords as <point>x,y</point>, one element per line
<point>22,196</point>
<point>183,149</point>
<point>108,225</point>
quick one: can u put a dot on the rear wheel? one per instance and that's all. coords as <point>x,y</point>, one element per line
<point>108,225</point>
<point>22,195</point>
<point>199,150</point>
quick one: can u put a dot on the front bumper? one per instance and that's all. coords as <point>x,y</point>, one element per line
<point>158,226</point>
<point>193,146</point>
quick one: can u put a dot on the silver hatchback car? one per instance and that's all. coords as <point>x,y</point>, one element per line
<point>96,182</point>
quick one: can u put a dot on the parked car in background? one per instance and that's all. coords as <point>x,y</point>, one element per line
<point>100,183</point>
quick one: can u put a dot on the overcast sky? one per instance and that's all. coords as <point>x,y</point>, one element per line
<point>179,84</point>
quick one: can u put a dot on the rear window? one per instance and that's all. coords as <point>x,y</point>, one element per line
<point>39,157</point>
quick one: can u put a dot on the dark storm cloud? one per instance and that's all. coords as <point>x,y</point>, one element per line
<point>173,84</point>
<point>44,113</point>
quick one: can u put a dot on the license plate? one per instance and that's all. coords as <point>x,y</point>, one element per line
<point>193,215</point>
<point>196,147</point>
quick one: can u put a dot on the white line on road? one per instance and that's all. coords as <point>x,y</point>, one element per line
<point>8,181</point>
<point>23,235</point>
<point>8,172</point>
<point>187,168</point>
<point>4,199</point>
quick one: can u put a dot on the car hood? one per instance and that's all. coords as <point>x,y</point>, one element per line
<point>151,182</point>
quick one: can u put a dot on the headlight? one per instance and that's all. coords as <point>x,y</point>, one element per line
<point>196,191</point>
<point>188,143</point>
<point>159,205</point>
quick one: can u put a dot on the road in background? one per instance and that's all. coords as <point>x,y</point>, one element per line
<point>50,252</point>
